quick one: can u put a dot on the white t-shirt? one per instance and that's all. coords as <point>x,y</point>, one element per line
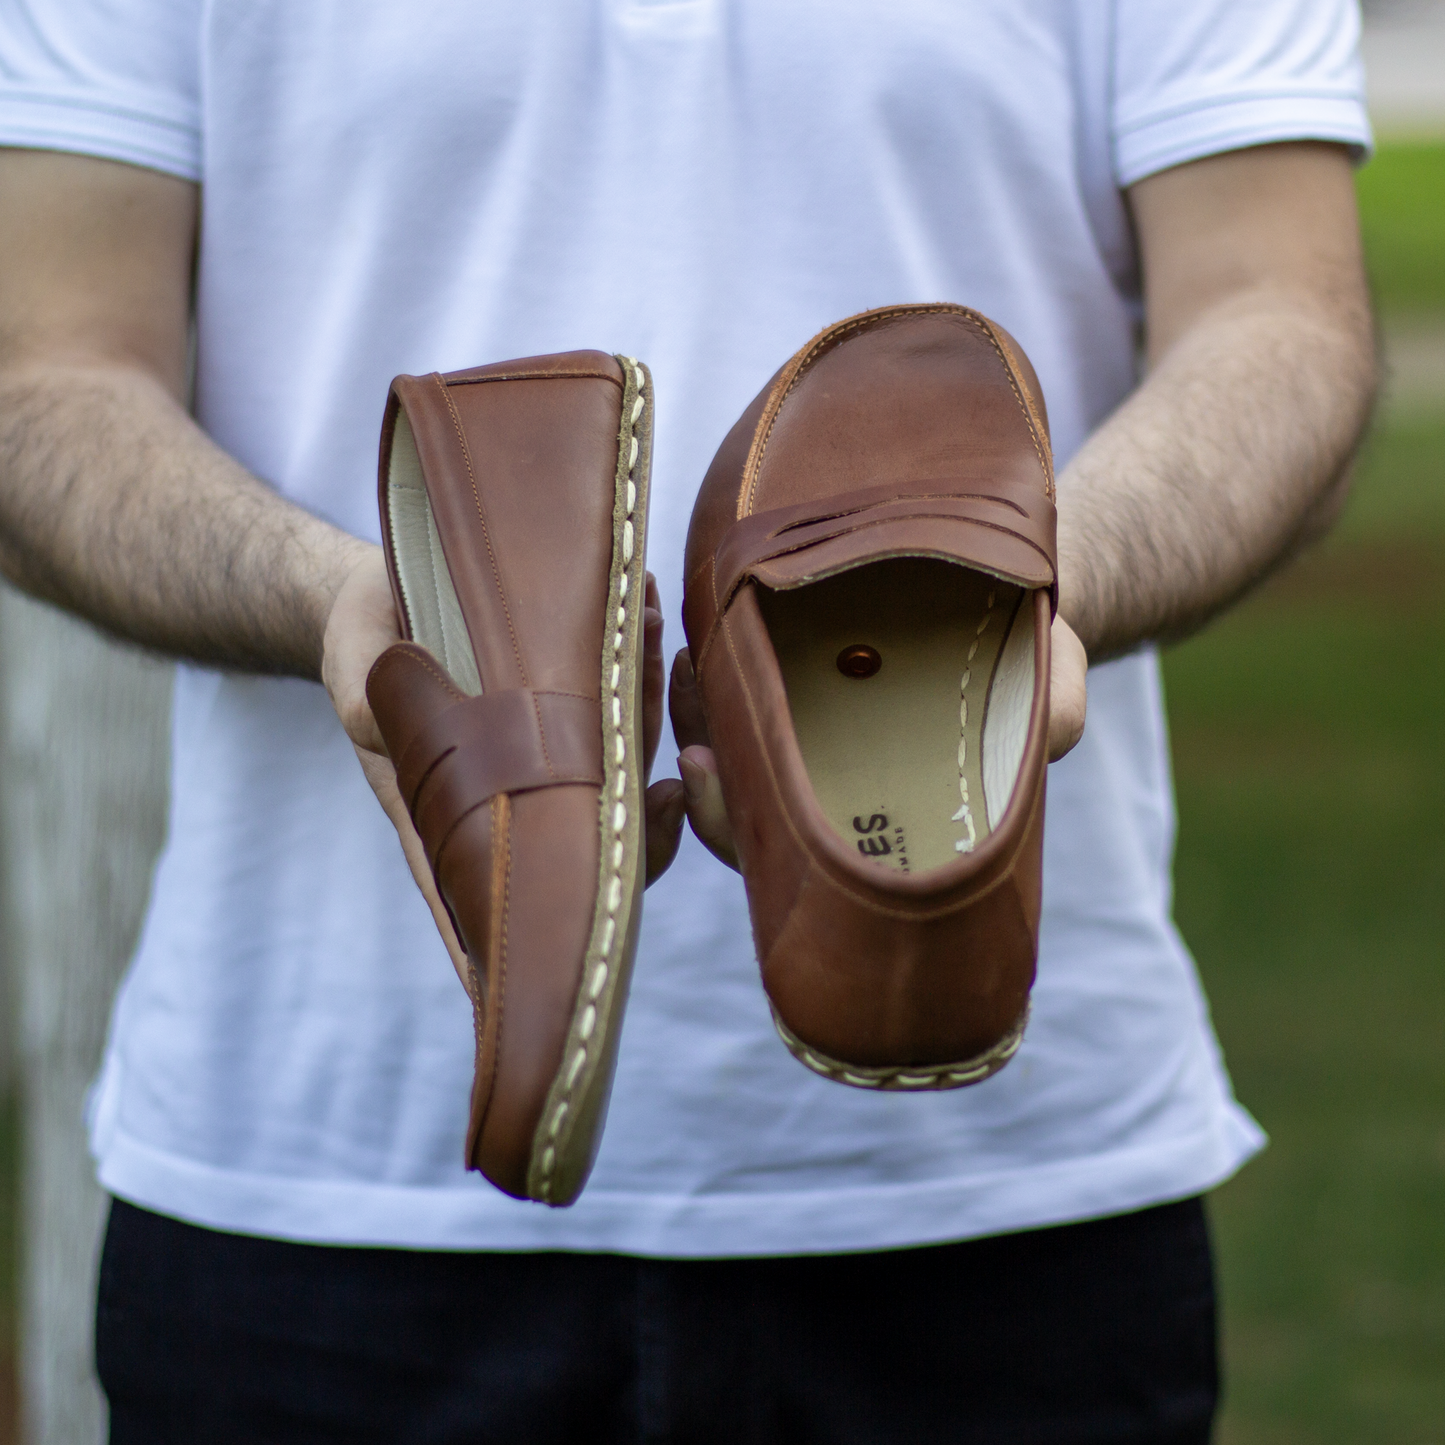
<point>704,184</point>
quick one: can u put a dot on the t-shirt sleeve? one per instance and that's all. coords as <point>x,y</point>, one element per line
<point>1196,77</point>
<point>111,78</point>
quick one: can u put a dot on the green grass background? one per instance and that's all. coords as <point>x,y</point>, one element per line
<point>1309,746</point>
<point>1309,743</point>
<point>1402,212</point>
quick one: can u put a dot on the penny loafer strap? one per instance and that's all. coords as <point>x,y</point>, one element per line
<point>503,742</point>
<point>1003,527</point>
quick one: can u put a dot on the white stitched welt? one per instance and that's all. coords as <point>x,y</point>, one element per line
<point>965,813</point>
<point>906,1077</point>
<point>603,969</point>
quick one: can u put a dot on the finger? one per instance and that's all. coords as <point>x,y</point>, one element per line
<point>361,626</point>
<point>666,806</point>
<point>652,682</point>
<point>1068,689</point>
<point>382,777</point>
<point>706,811</point>
<point>360,724</point>
<point>684,705</point>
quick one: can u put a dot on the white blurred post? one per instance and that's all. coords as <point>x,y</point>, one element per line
<point>83,758</point>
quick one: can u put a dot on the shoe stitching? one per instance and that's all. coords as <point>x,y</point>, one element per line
<point>579,375</point>
<point>786,383</point>
<point>832,337</point>
<point>424,661</point>
<point>542,736</point>
<point>504,808</point>
<point>1035,416</point>
<point>501,829</point>
<point>602,971</point>
<point>904,1077</point>
<point>486,531</point>
<point>965,813</point>
<point>436,587</point>
<point>1024,406</point>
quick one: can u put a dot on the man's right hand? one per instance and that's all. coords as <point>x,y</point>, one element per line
<point>361,626</point>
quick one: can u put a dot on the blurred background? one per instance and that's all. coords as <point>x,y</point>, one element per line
<point>1309,747</point>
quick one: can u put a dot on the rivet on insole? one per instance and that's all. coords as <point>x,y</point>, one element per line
<point>859,660</point>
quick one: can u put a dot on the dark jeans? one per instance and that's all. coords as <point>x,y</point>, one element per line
<point>1096,1332</point>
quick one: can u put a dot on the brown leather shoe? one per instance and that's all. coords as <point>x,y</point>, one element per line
<point>514,509</point>
<point>870,581</point>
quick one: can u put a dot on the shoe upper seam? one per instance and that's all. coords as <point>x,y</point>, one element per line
<point>579,375</point>
<point>752,467</point>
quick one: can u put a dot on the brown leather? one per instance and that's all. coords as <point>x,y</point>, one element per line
<point>913,431</point>
<point>520,463</point>
<point>791,545</point>
<point>460,757</point>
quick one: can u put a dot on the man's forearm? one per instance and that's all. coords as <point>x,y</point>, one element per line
<point>1230,455</point>
<point>115,505</point>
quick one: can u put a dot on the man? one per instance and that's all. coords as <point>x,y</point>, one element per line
<point>338,195</point>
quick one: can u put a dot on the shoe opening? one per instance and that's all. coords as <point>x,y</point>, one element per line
<point>433,612</point>
<point>911,682</point>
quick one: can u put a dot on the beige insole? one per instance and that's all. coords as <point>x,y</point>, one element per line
<point>426,584</point>
<point>897,759</point>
